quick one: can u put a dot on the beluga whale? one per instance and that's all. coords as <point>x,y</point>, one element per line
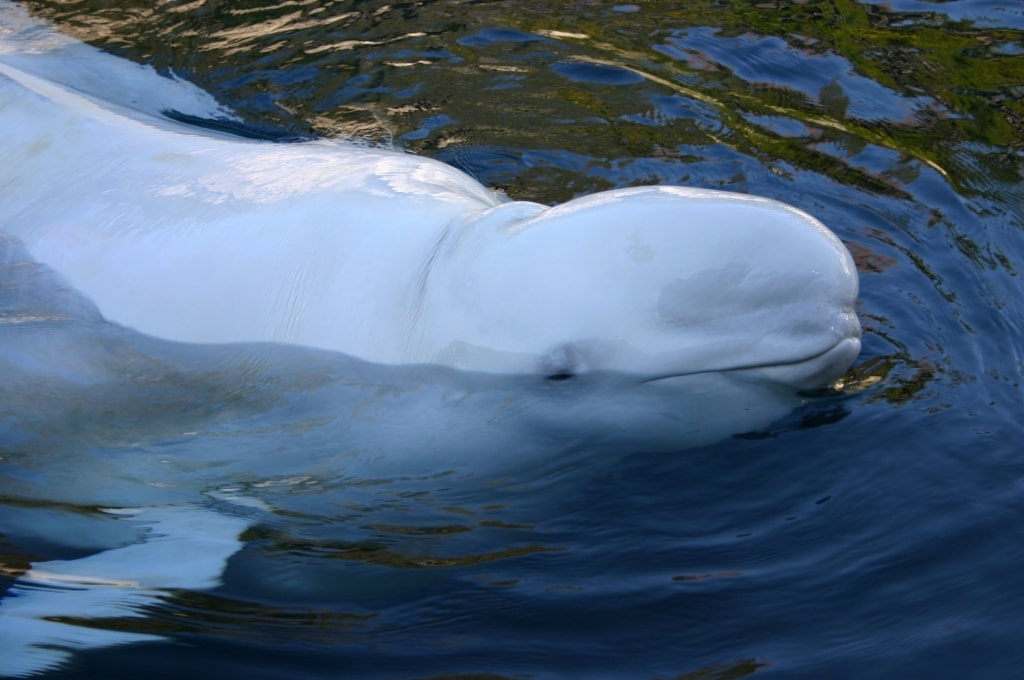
<point>189,235</point>
<point>305,310</point>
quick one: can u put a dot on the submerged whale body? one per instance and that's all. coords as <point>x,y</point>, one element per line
<point>167,288</point>
<point>174,443</point>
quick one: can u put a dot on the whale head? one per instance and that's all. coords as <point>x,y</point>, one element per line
<point>658,283</point>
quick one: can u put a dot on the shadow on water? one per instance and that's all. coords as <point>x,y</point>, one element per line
<point>873,534</point>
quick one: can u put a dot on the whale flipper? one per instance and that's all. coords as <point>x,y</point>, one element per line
<point>182,548</point>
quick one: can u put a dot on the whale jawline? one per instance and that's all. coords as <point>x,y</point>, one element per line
<point>835,355</point>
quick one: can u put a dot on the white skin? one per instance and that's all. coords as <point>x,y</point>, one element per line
<point>388,257</point>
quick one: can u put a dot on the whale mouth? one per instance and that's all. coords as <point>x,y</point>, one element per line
<point>819,370</point>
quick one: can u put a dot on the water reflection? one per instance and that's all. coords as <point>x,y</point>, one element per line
<point>336,62</point>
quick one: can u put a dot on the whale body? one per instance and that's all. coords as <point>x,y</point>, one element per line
<point>197,236</point>
<point>384,314</point>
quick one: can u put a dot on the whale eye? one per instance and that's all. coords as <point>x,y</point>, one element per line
<point>560,364</point>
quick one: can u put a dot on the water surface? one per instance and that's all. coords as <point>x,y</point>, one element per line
<point>873,535</point>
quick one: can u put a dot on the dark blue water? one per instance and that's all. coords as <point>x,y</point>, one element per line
<point>877,534</point>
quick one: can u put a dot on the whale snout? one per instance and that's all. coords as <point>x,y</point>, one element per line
<point>818,371</point>
<point>840,343</point>
<point>816,357</point>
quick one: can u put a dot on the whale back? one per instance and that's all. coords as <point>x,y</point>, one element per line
<point>207,238</point>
